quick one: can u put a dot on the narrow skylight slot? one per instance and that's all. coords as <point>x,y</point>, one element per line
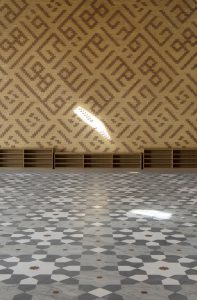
<point>92,121</point>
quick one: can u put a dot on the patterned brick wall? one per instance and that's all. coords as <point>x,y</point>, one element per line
<point>130,62</point>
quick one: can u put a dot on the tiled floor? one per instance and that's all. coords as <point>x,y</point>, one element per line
<point>95,234</point>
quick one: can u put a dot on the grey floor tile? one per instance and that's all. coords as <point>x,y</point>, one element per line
<point>126,236</point>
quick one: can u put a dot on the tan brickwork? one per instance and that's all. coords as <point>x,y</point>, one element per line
<point>131,63</point>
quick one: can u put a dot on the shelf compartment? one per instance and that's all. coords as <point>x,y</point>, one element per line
<point>98,160</point>
<point>68,160</point>
<point>185,166</point>
<point>184,158</point>
<point>132,160</point>
<point>98,165</point>
<point>12,158</point>
<point>157,158</point>
<point>40,158</point>
<point>98,156</point>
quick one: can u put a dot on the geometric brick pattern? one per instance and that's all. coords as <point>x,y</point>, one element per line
<point>131,63</point>
<point>87,235</point>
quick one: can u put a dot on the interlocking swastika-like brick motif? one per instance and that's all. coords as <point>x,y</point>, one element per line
<point>131,63</point>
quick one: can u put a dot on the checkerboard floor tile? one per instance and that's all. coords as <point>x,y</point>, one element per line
<point>98,234</point>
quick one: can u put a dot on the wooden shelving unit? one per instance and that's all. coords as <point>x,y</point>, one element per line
<point>12,158</point>
<point>38,158</point>
<point>158,158</point>
<point>98,160</point>
<point>184,158</point>
<point>104,160</point>
<point>47,158</point>
<point>133,160</point>
<point>68,160</point>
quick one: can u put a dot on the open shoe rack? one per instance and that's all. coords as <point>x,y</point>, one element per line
<point>48,158</point>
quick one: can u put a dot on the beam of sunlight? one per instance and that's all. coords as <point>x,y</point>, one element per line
<point>150,213</point>
<point>92,121</point>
